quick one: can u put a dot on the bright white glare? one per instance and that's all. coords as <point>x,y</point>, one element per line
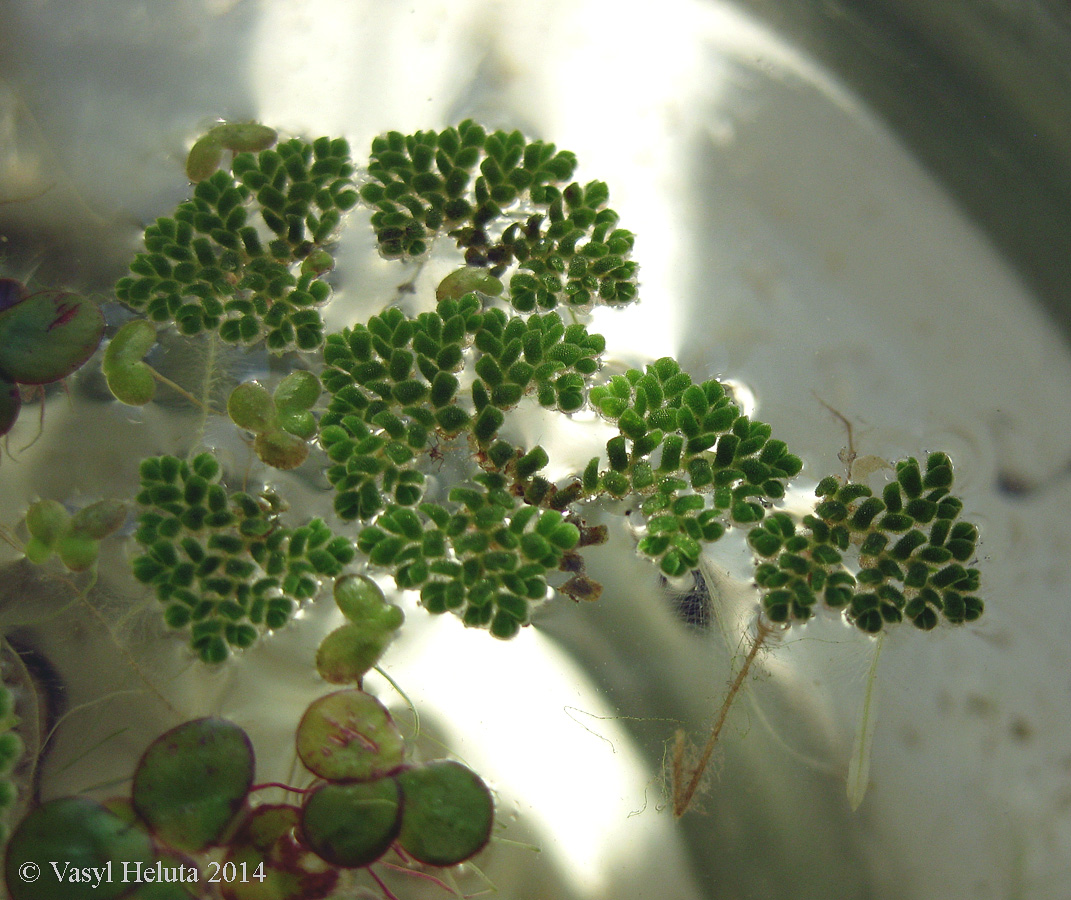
<point>527,718</point>
<point>554,69</point>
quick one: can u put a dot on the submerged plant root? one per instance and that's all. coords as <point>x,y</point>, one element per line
<point>685,785</point>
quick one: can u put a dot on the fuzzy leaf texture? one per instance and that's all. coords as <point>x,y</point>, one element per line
<point>243,256</point>
<point>904,555</point>
<point>486,557</point>
<point>222,563</point>
<point>506,202</point>
<point>697,463</point>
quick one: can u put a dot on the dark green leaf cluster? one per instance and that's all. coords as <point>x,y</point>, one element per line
<point>500,198</point>
<point>424,182</point>
<point>11,750</point>
<point>392,383</point>
<point>486,560</point>
<point>395,380</point>
<point>539,353</point>
<point>910,553</point>
<point>697,460</point>
<point>212,267</point>
<point>302,190</point>
<point>223,563</point>
<point>573,255</point>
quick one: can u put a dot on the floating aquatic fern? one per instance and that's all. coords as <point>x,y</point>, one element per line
<point>11,750</point>
<point>222,562</point>
<point>374,405</point>
<point>243,256</point>
<point>520,208</point>
<point>868,558</point>
<point>907,550</point>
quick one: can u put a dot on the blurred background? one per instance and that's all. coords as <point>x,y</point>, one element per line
<point>858,206</point>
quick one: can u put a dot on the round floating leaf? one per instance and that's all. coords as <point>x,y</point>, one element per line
<point>48,521</point>
<point>362,602</point>
<point>193,780</point>
<point>77,552</point>
<point>248,137</point>
<point>300,423</point>
<point>447,813</point>
<point>129,379</point>
<point>78,832</point>
<point>100,519</point>
<point>317,262</point>
<point>464,281</point>
<point>280,449</point>
<point>349,736</point>
<point>268,840</point>
<point>205,156</point>
<point>269,824</point>
<point>10,404</point>
<point>358,596</point>
<point>299,390</point>
<point>250,406</point>
<point>47,336</point>
<point>347,653</point>
<point>352,825</point>
<point>133,385</point>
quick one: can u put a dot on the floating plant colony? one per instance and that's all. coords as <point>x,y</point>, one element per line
<point>246,262</point>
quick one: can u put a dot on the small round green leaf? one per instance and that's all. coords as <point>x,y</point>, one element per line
<point>129,379</point>
<point>130,344</point>
<point>347,653</point>
<point>243,137</point>
<point>349,736</point>
<point>268,844</point>
<point>447,813</point>
<point>133,385</point>
<point>100,519</point>
<point>48,521</point>
<point>352,825</point>
<point>204,158</point>
<point>48,336</point>
<point>250,406</point>
<point>78,552</point>
<point>362,602</point>
<point>280,449</point>
<point>78,834</point>
<point>464,281</point>
<point>298,391</point>
<point>193,780</point>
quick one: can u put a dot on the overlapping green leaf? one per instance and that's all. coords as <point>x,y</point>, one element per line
<point>880,559</point>
<point>696,461</point>
<point>222,562</point>
<point>243,256</point>
<point>506,202</point>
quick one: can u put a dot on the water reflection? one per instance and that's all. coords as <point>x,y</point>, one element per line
<point>787,241</point>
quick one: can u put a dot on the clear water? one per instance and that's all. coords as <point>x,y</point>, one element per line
<point>788,242</point>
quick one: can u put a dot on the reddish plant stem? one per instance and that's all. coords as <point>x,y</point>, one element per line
<point>416,874</point>
<point>277,784</point>
<point>386,890</point>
